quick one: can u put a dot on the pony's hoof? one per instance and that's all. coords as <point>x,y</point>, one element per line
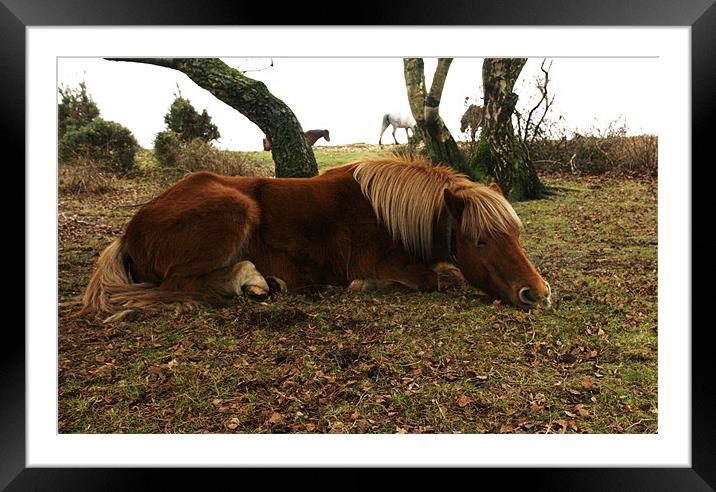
<point>356,285</point>
<point>255,293</point>
<point>276,285</point>
<point>450,277</point>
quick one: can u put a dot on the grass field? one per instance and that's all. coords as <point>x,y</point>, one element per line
<point>328,157</point>
<point>339,362</point>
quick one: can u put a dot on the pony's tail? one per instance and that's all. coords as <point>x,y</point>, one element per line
<point>110,290</point>
<point>109,274</point>
<point>385,123</point>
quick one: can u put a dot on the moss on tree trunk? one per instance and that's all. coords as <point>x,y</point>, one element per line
<point>481,160</point>
<point>292,155</point>
<point>509,163</point>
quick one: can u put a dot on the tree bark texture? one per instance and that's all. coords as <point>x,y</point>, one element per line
<point>440,146</point>
<point>292,155</point>
<point>510,165</point>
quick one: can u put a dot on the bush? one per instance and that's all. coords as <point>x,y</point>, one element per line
<point>106,143</point>
<point>76,109</point>
<point>188,124</point>
<point>81,177</point>
<point>592,152</point>
<point>197,155</point>
<point>231,163</point>
<point>642,154</point>
<point>166,148</point>
<point>636,155</point>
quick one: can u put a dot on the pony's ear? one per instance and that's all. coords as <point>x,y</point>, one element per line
<point>454,203</point>
<point>497,188</point>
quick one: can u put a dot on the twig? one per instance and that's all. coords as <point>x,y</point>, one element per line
<point>547,160</point>
<point>442,412</point>
<point>530,136</point>
<point>640,421</point>
<point>133,205</point>
<point>258,69</point>
<point>74,219</point>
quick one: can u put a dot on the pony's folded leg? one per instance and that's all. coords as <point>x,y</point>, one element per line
<point>249,282</point>
<point>397,267</point>
<point>217,286</point>
<point>449,276</point>
<point>374,285</point>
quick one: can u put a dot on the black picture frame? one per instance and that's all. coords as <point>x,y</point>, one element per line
<point>16,15</point>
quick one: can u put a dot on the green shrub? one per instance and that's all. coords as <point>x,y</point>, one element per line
<point>76,109</point>
<point>195,155</point>
<point>166,148</point>
<point>186,122</point>
<point>481,161</point>
<point>106,143</point>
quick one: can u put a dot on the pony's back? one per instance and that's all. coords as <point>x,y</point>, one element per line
<point>400,120</point>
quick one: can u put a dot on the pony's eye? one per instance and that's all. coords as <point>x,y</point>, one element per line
<point>481,244</point>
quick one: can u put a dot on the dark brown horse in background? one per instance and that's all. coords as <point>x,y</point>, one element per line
<point>209,238</point>
<point>311,137</point>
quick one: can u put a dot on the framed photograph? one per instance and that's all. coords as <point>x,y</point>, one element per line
<point>572,356</point>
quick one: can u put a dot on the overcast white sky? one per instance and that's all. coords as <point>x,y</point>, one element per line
<point>349,96</point>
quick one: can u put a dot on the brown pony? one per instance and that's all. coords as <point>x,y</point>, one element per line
<point>210,237</point>
<point>472,119</point>
<point>311,137</point>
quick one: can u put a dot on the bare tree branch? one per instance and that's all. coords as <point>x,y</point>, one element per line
<point>531,133</point>
<point>547,100</point>
<point>519,127</point>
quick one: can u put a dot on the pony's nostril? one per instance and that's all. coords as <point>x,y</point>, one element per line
<point>527,296</point>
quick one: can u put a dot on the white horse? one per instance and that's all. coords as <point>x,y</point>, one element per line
<point>397,120</point>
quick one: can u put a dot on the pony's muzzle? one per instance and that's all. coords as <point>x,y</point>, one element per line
<point>527,297</point>
<point>530,299</point>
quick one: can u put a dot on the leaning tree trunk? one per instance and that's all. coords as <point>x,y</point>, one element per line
<point>439,143</point>
<point>292,155</point>
<point>510,165</point>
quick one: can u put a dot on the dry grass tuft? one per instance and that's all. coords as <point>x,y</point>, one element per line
<point>201,156</point>
<point>83,177</point>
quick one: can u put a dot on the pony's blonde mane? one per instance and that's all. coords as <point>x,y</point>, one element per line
<point>408,198</point>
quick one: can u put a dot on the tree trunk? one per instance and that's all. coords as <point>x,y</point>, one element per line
<point>440,146</point>
<point>510,165</point>
<point>292,155</point>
